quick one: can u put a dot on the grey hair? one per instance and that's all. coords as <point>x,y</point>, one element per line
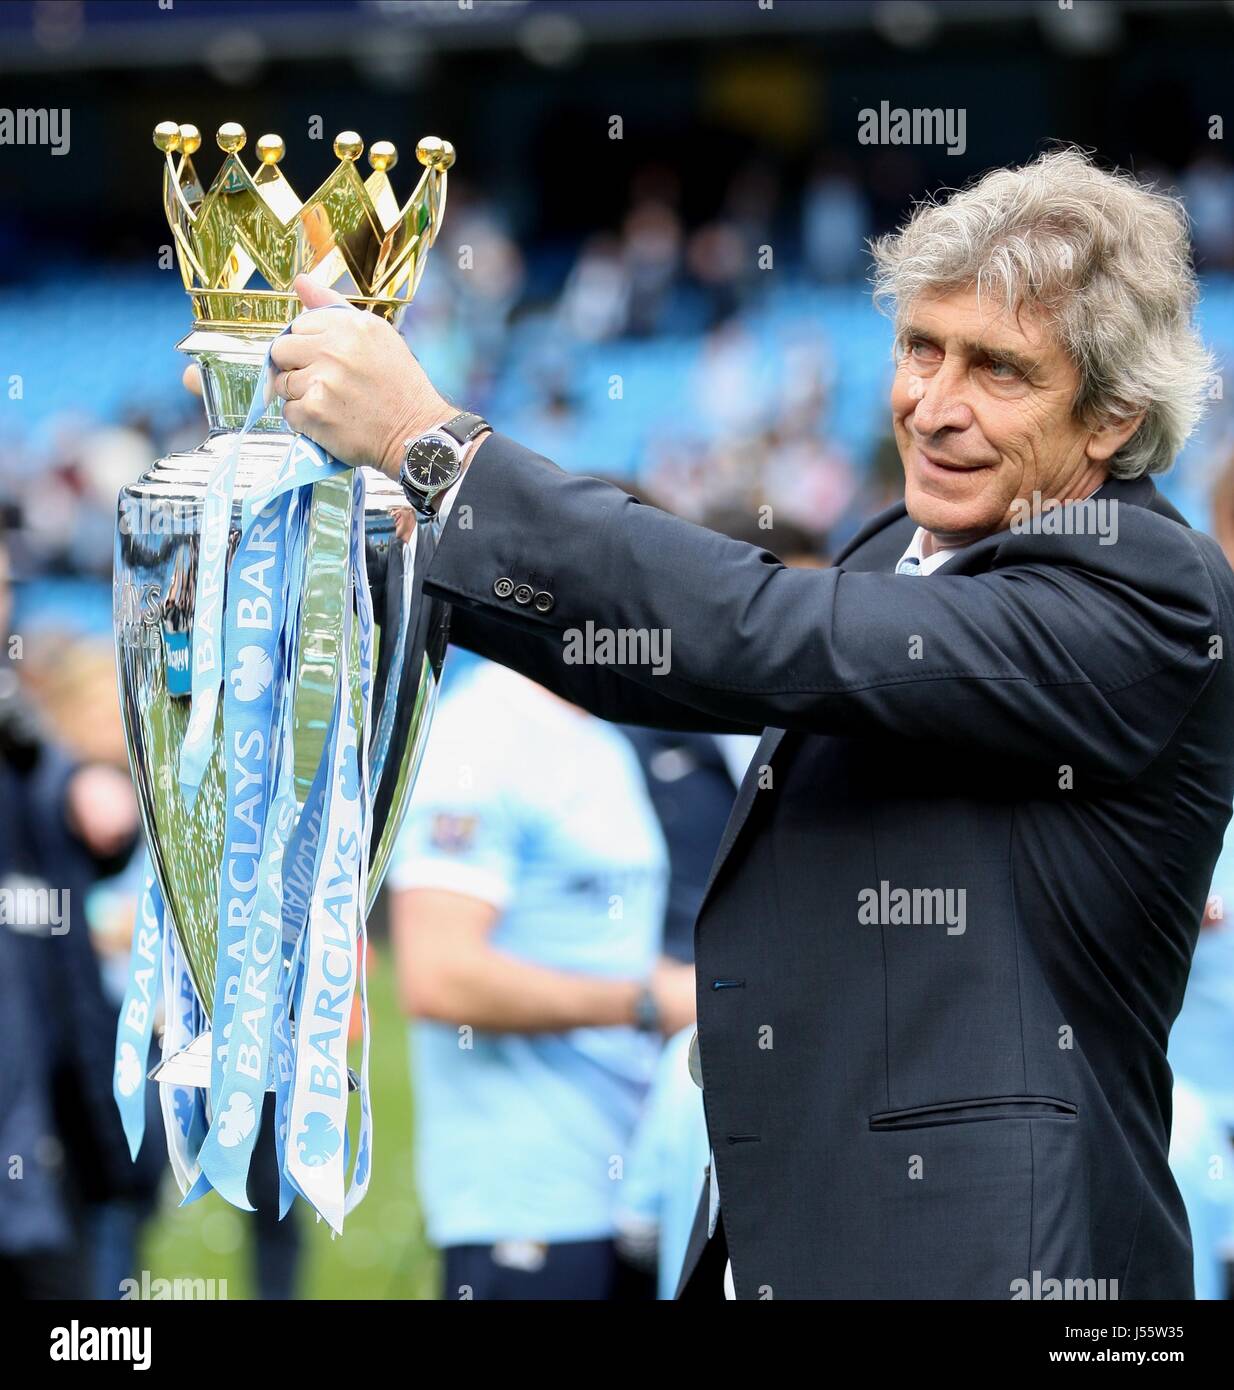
<point>1105,258</point>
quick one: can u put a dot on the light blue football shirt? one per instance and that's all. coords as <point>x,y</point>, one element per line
<point>540,809</point>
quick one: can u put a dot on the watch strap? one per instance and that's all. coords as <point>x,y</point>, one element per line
<point>646,1011</point>
<point>464,427</point>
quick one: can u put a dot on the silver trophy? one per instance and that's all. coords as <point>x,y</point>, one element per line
<point>354,231</point>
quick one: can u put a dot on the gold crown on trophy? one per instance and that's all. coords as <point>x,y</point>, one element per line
<point>255,224</point>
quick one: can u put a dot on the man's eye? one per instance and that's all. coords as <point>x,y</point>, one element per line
<point>920,350</point>
<point>1002,371</point>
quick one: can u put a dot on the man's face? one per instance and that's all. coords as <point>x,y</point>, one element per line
<point>982,409</point>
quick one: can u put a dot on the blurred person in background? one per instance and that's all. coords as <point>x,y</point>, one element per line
<point>63,826</point>
<point>716,258</point>
<point>65,676</point>
<point>668,1161</point>
<point>488,278</point>
<point>1207,186</point>
<point>595,301</point>
<point>1202,1044</point>
<point>731,382</point>
<point>526,918</point>
<point>81,675</point>
<point>835,221</point>
<point>551,415</point>
<point>652,252</point>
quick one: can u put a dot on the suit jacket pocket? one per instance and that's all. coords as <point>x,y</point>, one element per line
<point>955,1112</point>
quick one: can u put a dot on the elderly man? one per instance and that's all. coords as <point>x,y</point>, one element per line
<point>951,919</point>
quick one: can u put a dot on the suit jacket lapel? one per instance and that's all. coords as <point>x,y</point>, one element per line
<point>748,790</point>
<point>880,522</point>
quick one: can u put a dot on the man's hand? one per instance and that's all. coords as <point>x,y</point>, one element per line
<point>351,383</point>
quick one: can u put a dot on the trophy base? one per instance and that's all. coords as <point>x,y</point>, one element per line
<point>191,1067</point>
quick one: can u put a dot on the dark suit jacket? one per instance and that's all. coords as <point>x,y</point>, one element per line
<point>897,1110</point>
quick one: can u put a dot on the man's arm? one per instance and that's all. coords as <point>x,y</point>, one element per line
<point>327,366</point>
<point>538,656</point>
<point>448,969</point>
<point>603,691</point>
<point>1067,650</point>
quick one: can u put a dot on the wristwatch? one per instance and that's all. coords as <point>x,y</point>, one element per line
<point>433,461</point>
<point>646,1011</point>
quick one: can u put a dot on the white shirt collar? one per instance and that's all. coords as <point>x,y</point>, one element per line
<point>929,563</point>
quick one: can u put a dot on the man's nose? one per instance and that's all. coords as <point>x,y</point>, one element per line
<point>943,403</point>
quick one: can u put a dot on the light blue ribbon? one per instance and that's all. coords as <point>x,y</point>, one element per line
<point>136,1023</point>
<point>364,623</point>
<point>257,713</point>
<point>183,1107</point>
<point>330,960</point>
<point>252,709</point>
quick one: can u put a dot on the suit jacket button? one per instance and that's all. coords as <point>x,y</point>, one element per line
<point>503,587</point>
<point>543,601</point>
<point>523,594</point>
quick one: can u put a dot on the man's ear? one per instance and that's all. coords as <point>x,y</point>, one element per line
<point>315,296</point>
<point>1107,440</point>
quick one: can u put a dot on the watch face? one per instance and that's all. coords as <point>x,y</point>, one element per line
<point>431,463</point>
